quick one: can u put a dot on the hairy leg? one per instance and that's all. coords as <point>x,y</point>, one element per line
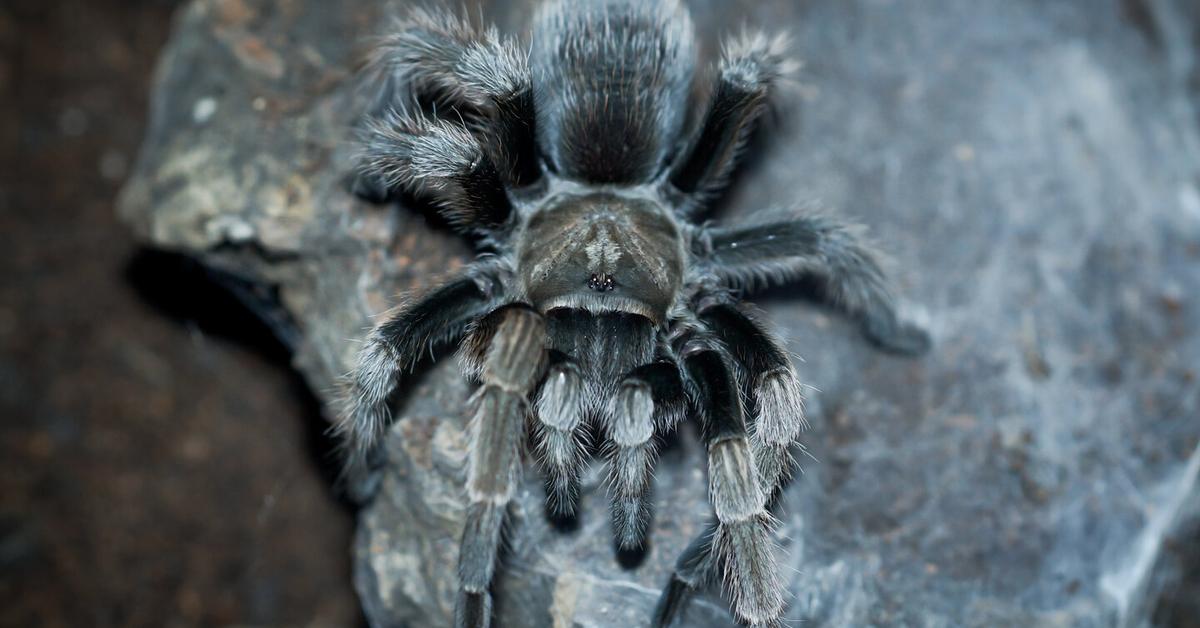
<point>648,397</point>
<point>741,541</point>
<point>561,434</point>
<point>513,364</point>
<point>777,397</point>
<point>803,244</point>
<point>407,150</point>
<point>481,75</point>
<point>750,65</point>
<point>392,348</point>
<point>694,569</point>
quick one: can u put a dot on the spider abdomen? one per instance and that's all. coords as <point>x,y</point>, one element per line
<point>602,252</point>
<point>612,81</point>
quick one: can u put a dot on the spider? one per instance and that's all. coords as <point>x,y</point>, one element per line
<point>601,304</point>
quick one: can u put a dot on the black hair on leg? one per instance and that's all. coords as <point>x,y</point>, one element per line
<point>742,541</point>
<point>407,150</point>
<point>473,70</point>
<point>776,251</point>
<point>392,348</point>
<point>473,610</point>
<point>666,387</point>
<point>776,393</point>
<point>750,66</point>
<point>693,569</point>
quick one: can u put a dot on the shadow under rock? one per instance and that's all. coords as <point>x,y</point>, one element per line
<point>247,314</point>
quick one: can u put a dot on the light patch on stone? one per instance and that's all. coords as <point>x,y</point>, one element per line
<point>1189,200</point>
<point>203,109</point>
<point>566,598</point>
<point>231,229</point>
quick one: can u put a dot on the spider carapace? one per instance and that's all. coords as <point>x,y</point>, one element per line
<point>602,252</point>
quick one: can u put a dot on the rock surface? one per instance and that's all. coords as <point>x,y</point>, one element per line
<point>1032,167</point>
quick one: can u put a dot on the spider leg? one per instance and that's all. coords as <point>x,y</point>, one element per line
<point>695,566</point>
<point>778,400</point>
<point>741,541</point>
<point>750,65</point>
<point>484,76</point>
<point>407,150</point>
<point>392,348</point>
<point>561,434</point>
<point>513,364</point>
<point>648,399</point>
<point>765,254</point>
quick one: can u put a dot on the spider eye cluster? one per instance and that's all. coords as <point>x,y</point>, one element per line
<point>601,282</point>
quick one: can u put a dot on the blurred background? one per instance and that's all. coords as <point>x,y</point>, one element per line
<point>161,463</point>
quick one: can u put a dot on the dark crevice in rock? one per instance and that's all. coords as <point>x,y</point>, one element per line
<point>213,301</point>
<point>219,304</point>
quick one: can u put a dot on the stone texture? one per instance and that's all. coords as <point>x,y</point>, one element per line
<point>1033,168</point>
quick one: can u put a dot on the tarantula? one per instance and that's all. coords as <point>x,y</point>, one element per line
<point>600,303</point>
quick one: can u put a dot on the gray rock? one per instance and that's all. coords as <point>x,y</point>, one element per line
<point>1033,168</point>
